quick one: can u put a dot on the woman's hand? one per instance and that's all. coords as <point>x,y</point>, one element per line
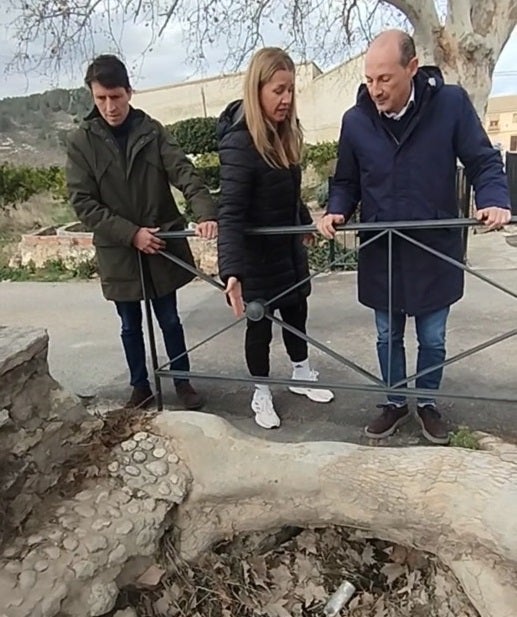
<point>233,292</point>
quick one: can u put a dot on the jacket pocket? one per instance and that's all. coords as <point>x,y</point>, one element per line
<point>117,263</point>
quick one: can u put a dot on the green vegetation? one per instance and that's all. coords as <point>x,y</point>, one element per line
<point>195,135</point>
<point>19,183</point>
<point>464,438</point>
<point>54,270</point>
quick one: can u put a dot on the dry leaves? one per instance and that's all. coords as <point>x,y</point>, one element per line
<point>296,576</point>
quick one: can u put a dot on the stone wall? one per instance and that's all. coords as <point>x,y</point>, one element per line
<point>40,423</point>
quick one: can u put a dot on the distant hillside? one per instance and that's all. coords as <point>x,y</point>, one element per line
<point>33,128</point>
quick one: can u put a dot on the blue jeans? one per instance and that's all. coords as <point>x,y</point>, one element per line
<point>166,311</point>
<point>430,330</point>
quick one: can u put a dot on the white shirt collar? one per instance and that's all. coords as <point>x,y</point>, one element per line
<point>411,100</point>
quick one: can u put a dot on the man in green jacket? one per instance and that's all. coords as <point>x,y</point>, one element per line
<point>120,165</point>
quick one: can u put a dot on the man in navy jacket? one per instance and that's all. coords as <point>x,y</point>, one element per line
<point>398,152</point>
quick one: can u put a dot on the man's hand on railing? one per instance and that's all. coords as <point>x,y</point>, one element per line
<point>326,224</point>
<point>207,230</point>
<point>494,217</point>
<point>233,292</point>
<point>145,240</point>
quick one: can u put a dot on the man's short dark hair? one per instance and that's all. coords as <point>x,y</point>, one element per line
<point>109,71</point>
<point>407,49</point>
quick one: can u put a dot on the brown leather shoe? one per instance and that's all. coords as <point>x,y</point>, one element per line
<point>388,421</point>
<point>188,397</point>
<point>141,398</point>
<point>434,429</point>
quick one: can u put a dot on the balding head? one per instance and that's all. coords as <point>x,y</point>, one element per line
<point>395,43</point>
<point>390,65</point>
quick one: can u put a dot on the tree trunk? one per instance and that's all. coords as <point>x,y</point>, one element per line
<point>457,504</point>
<point>467,46</point>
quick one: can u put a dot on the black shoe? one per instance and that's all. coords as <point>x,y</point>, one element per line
<point>388,421</point>
<point>434,429</point>
<point>188,397</point>
<point>141,398</point>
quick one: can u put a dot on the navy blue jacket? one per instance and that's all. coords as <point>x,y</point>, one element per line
<point>414,179</point>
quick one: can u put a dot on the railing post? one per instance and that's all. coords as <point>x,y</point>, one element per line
<point>150,331</point>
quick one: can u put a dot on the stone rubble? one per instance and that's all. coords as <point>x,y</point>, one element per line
<point>71,563</point>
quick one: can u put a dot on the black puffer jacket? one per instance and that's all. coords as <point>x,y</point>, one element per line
<point>254,194</point>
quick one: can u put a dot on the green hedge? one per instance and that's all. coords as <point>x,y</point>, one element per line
<point>195,135</point>
<point>319,155</point>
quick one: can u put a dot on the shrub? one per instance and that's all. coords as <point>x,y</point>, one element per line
<point>195,135</point>
<point>319,156</point>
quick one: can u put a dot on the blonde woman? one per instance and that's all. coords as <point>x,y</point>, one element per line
<point>260,143</point>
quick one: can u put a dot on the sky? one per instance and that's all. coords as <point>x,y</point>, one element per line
<point>167,63</point>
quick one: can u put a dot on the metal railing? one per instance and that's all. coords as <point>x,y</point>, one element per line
<point>257,310</point>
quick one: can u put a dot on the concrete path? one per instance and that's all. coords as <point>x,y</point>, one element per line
<point>86,356</point>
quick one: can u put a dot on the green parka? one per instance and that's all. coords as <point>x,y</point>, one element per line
<point>114,194</point>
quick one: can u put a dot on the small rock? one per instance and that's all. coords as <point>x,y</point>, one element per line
<point>61,510</point>
<point>95,543</point>
<point>145,538</point>
<point>56,535</point>
<point>118,555</point>
<point>85,511</point>
<point>147,445</point>
<point>13,567</point>
<point>113,467</point>
<point>35,539</point>
<point>84,496</point>
<point>173,458</point>
<point>158,468</point>
<point>5,418</point>
<point>123,496</point>
<point>140,436</point>
<point>174,479</point>
<point>133,508</point>
<point>103,496</point>
<point>51,604</point>
<point>27,580</point>
<point>68,522</point>
<point>131,470</point>
<point>100,523</point>
<point>139,457</point>
<point>129,445</point>
<point>149,505</point>
<point>159,453</point>
<point>83,569</point>
<point>11,552</point>
<point>128,612</point>
<point>164,489</point>
<point>70,543</point>
<point>41,565</point>
<point>102,598</point>
<point>151,577</point>
<point>124,528</point>
<point>53,552</point>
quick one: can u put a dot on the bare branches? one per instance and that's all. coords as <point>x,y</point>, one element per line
<point>53,34</point>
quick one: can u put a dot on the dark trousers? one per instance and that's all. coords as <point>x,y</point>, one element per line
<point>166,311</point>
<point>259,335</point>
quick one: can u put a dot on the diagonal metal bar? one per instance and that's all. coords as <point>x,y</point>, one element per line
<point>456,263</point>
<point>330,352</point>
<point>204,341</point>
<point>409,392</point>
<point>314,274</point>
<point>192,269</point>
<point>461,356</point>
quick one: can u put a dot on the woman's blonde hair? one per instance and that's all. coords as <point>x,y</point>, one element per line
<point>279,146</point>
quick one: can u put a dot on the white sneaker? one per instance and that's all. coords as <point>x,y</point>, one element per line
<point>265,414</point>
<point>317,395</point>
